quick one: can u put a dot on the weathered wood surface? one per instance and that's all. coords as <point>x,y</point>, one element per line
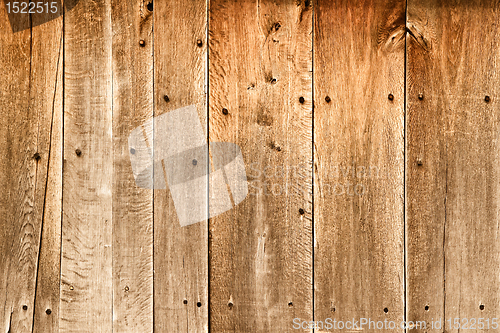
<point>453,186</point>
<point>359,159</point>
<point>86,260</point>
<point>260,57</point>
<point>132,22</point>
<point>180,253</point>
<point>30,172</point>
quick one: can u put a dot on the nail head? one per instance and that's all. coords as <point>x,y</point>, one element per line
<point>301,211</point>
<point>195,162</point>
<point>165,97</point>
<point>420,96</point>
<point>481,307</point>
<point>198,304</point>
<point>185,301</point>
<point>225,111</point>
<point>48,311</point>
<point>37,156</point>
<point>142,43</point>
<point>301,100</point>
<point>327,99</point>
<point>78,152</point>
<point>199,42</point>
<point>25,307</point>
<point>391,97</point>
<point>127,288</point>
<point>132,151</point>
<point>487,99</point>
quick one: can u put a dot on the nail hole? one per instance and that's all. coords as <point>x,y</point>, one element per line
<point>426,308</point>
<point>198,304</point>
<point>132,151</point>
<point>277,26</point>
<point>230,304</point>
<point>185,301</point>
<point>333,309</point>
<point>142,43</point>
<point>225,111</point>
<point>290,304</point>
<point>302,100</point>
<point>273,80</point>
<point>481,307</point>
<point>195,162</point>
<point>37,156</point>
<point>165,97</point>
<point>327,99</point>
<point>25,307</point>
<point>487,99</point>
<point>391,97</point>
<point>48,311</point>
<point>78,152</point>
<point>386,310</point>
<point>301,211</point>
<point>278,148</point>
<point>150,6</point>
<point>199,42</point>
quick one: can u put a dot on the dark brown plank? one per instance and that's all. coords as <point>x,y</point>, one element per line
<point>359,155</point>
<point>452,161</point>
<point>132,205</point>
<point>180,253</point>
<point>86,265</point>
<point>261,250</point>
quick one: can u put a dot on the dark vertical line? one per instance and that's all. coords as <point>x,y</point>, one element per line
<point>405,252</point>
<point>313,164</point>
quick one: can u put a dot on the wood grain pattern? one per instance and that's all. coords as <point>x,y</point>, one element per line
<point>180,253</point>
<point>47,99</point>
<point>359,159</point>
<point>132,206</point>
<point>30,107</point>
<point>86,265</point>
<point>453,188</point>
<point>260,252</point>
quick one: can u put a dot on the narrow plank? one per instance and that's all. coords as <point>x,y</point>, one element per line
<point>453,188</point>
<point>180,253</point>
<point>132,205</point>
<point>86,267</point>
<point>359,158</point>
<point>261,250</point>
<point>28,106</point>
<point>46,98</point>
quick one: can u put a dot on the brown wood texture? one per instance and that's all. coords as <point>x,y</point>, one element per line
<point>30,104</point>
<point>132,22</point>
<point>359,55</point>
<point>180,253</point>
<point>452,161</point>
<point>260,61</point>
<point>86,261</point>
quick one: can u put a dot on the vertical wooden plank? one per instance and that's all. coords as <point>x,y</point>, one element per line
<point>453,189</point>
<point>132,205</point>
<point>30,106</point>
<point>180,253</point>
<point>46,98</point>
<point>86,267</point>
<point>359,154</point>
<point>260,62</point>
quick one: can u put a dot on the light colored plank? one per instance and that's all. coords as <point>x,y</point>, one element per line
<point>261,251</point>
<point>180,253</point>
<point>132,205</point>
<point>359,251</point>
<point>454,195</point>
<point>86,267</point>
<point>30,108</point>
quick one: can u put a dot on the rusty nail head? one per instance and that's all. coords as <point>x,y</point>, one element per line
<point>420,96</point>
<point>199,42</point>
<point>225,111</point>
<point>48,311</point>
<point>301,100</point>
<point>327,99</point>
<point>25,307</point>
<point>391,97</point>
<point>419,161</point>
<point>142,43</point>
<point>487,99</point>
<point>166,98</point>
<point>78,152</point>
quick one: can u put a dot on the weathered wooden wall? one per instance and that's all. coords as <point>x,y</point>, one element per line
<point>370,132</point>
